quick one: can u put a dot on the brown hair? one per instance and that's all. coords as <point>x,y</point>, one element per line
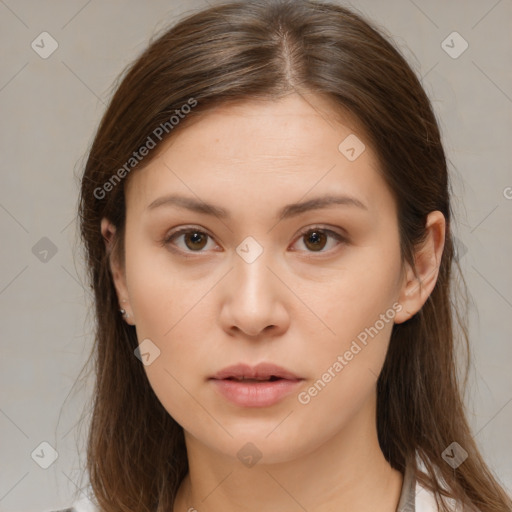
<point>237,51</point>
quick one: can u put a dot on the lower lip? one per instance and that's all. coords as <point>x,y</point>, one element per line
<point>255,394</point>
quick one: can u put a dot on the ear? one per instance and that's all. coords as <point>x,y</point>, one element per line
<point>108,231</point>
<point>417,288</point>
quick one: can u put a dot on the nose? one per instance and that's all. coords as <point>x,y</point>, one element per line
<point>254,299</point>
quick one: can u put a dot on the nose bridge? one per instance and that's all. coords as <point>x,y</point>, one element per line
<point>253,276</point>
<point>254,297</point>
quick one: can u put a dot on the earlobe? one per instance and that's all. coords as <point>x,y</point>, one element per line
<point>417,287</point>
<point>108,231</point>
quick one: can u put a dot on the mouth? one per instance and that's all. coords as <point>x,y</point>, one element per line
<point>261,372</point>
<point>259,386</point>
<point>272,378</point>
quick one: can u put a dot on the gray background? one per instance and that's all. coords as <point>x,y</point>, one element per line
<point>49,111</point>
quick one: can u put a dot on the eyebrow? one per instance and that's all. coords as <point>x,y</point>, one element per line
<point>288,211</point>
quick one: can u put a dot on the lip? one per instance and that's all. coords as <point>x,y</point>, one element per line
<point>251,393</point>
<point>260,371</point>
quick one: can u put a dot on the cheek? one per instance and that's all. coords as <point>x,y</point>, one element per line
<point>166,309</point>
<point>158,296</point>
<point>345,372</point>
<point>358,307</point>
<point>360,291</point>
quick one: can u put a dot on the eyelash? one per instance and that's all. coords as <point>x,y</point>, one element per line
<point>168,239</point>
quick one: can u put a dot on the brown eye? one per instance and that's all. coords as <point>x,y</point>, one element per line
<point>194,240</point>
<point>315,239</point>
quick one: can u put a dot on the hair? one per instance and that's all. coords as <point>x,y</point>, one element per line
<point>241,51</point>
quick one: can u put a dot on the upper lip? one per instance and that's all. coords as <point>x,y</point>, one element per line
<point>262,371</point>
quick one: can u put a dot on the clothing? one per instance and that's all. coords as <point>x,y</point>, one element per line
<point>413,498</point>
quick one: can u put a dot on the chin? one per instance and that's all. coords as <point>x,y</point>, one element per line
<point>263,443</point>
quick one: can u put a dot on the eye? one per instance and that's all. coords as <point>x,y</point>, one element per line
<point>194,239</point>
<point>316,238</point>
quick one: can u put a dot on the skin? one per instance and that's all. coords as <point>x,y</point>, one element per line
<point>294,306</point>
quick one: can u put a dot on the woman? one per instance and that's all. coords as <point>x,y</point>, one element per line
<point>266,217</point>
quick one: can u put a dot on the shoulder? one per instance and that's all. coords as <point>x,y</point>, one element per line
<point>426,502</point>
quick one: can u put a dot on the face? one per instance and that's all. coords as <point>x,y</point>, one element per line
<point>234,271</point>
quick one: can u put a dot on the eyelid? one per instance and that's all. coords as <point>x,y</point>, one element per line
<point>325,229</point>
<point>341,238</point>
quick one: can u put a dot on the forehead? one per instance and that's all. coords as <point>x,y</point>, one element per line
<point>284,128</point>
<point>283,147</point>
